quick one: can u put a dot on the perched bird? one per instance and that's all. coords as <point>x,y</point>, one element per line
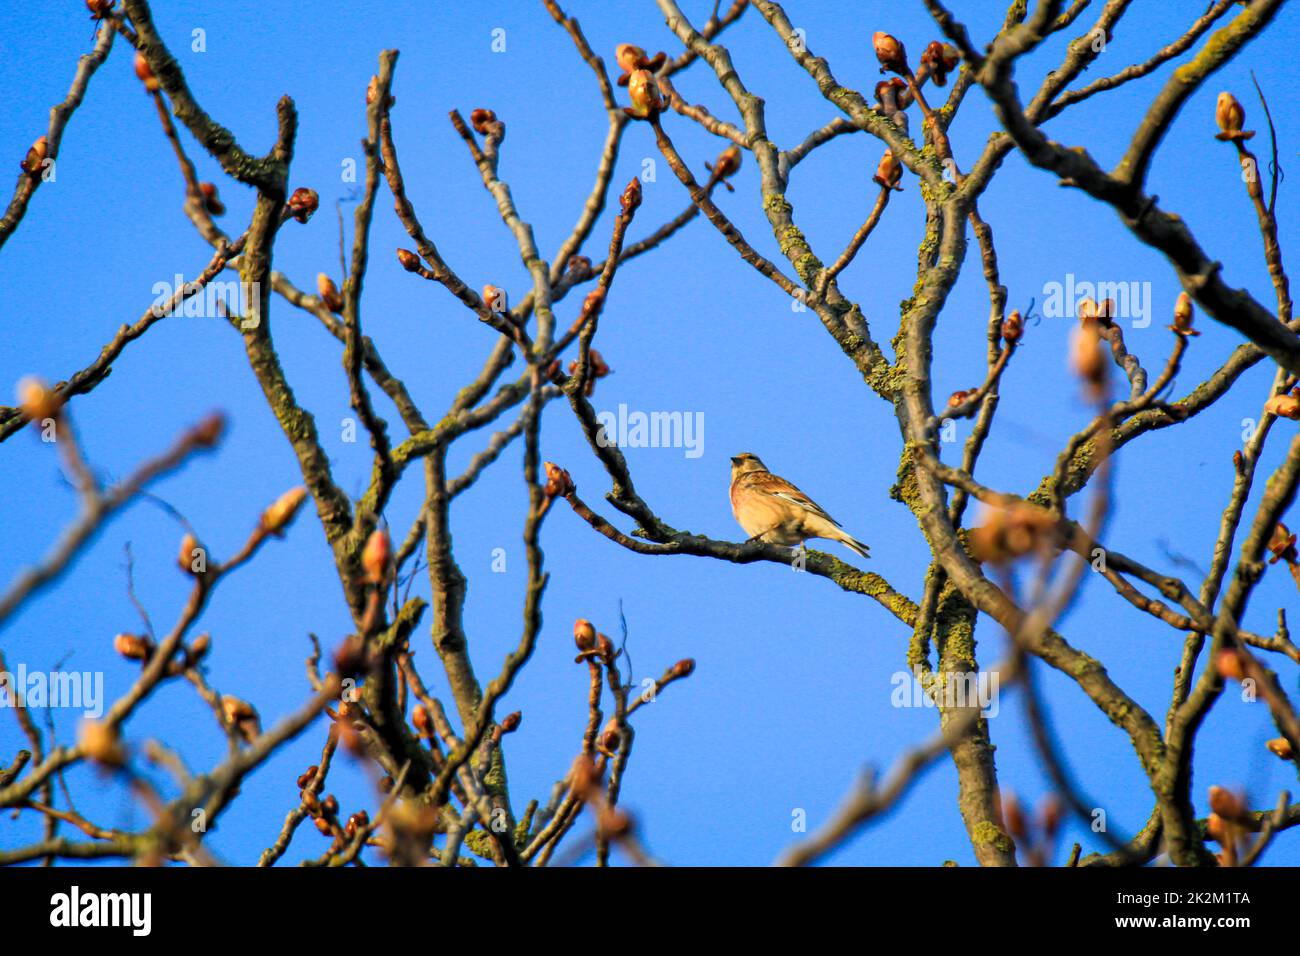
<point>771,509</point>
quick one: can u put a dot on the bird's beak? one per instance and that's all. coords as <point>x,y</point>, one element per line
<point>735,461</point>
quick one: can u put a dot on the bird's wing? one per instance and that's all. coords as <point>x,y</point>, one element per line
<point>770,484</point>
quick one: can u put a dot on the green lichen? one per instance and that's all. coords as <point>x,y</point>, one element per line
<point>480,842</point>
<point>986,833</point>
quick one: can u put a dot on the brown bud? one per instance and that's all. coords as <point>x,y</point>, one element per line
<point>101,743</point>
<point>1230,116</point>
<point>631,197</point>
<point>187,558</point>
<point>199,647</point>
<point>208,432</point>
<point>409,260</point>
<point>1286,405</point>
<point>211,201</point>
<point>494,299</point>
<point>611,737</point>
<point>358,821</point>
<point>727,163</point>
<point>1217,829</point>
<point>277,517</point>
<point>958,398</point>
<point>887,97</point>
<point>422,721</point>
<point>236,709</point>
<point>324,827</point>
<point>628,57</point>
<point>936,61</point>
<point>1282,545</point>
<point>99,8</point>
<point>593,303</point>
<point>558,481</point>
<point>329,293</point>
<point>1183,316</point>
<point>191,655</point>
<point>376,556</point>
<point>1013,328</point>
<point>1280,746</point>
<point>584,635</point>
<point>584,778</point>
<point>1013,816</point>
<point>579,266</point>
<point>1227,804</point>
<point>351,658</point>
<point>303,203</point>
<point>134,647</point>
<point>596,369</point>
<point>683,668</point>
<point>1012,532</point>
<point>482,120</point>
<point>1087,310</point>
<point>605,648</point>
<point>510,722</point>
<point>1086,356</point>
<point>145,72</point>
<point>1229,664</point>
<point>330,805</point>
<point>37,400</point>
<point>613,822</point>
<point>890,53</point>
<point>308,777</point>
<point>34,162</point>
<point>643,91</point>
<point>1051,815</point>
<point>889,172</point>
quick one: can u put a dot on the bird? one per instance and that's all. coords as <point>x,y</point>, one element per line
<point>771,509</point>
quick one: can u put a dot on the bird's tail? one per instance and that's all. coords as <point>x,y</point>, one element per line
<point>846,539</point>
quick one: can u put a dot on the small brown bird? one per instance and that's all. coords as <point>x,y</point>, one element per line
<point>771,509</point>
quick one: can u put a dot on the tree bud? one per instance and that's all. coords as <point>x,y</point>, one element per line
<point>329,293</point>
<point>277,517</point>
<point>1281,746</point>
<point>1013,328</point>
<point>37,400</point>
<point>558,481</point>
<point>101,743</point>
<point>211,201</point>
<point>890,53</point>
<point>377,556</point>
<point>303,203</point>
<point>1230,116</point>
<point>134,647</point>
<point>145,73</point>
<point>584,635</point>
<point>643,91</point>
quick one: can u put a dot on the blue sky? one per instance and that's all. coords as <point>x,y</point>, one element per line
<point>791,697</point>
